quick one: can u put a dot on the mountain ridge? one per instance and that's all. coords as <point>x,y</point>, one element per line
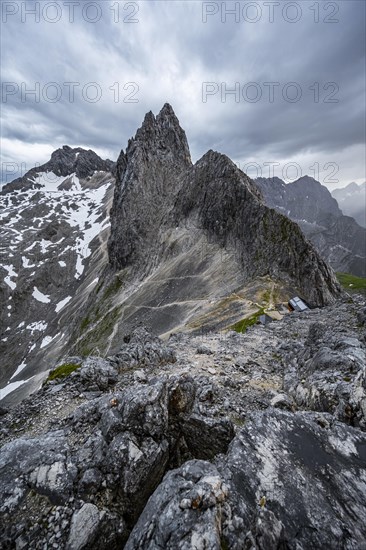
<point>176,210</point>
<point>338,238</point>
<point>190,248</point>
<point>64,161</point>
<point>158,414</point>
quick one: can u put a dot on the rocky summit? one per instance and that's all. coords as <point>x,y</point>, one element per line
<point>157,392</point>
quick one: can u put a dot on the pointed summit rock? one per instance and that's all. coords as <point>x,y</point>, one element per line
<point>162,135</point>
<point>149,176</point>
<point>167,211</point>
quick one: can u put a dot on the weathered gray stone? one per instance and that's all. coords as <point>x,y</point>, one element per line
<point>282,401</point>
<point>184,512</point>
<point>84,526</point>
<point>289,481</point>
<point>311,479</point>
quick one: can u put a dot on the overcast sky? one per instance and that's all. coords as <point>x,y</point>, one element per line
<point>126,58</point>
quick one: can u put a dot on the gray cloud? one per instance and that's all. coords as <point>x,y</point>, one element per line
<point>168,55</point>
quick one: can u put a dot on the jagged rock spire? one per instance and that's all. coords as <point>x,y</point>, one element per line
<point>149,176</point>
<point>158,190</point>
<point>162,135</point>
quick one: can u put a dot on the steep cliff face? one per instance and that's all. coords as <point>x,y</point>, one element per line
<point>149,178</point>
<point>164,206</point>
<point>230,209</point>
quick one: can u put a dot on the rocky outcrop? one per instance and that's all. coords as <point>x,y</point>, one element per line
<point>337,237</point>
<point>83,483</point>
<point>329,375</point>
<point>205,441</point>
<point>288,481</point>
<point>158,191</point>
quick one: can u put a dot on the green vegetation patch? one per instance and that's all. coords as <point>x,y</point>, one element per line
<point>63,370</point>
<point>96,339</point>
<point>113,288</point>
<point>241,326</point>
<point>85,323</point>
<point>351,283</point>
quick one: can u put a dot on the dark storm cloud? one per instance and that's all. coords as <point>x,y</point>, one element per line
<point>168,55</point>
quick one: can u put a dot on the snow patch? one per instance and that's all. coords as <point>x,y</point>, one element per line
<point>47,340</point>
<point>11,273</point>
<point>26,263</point>
<point>62,304</point>
<point>10,387</point>
<point>49,180</point>
<point>38,325</point>
<point>22,366</point>
<point>40,297</point>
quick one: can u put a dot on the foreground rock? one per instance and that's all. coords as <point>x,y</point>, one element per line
<point>84,483</point>
<point>288,481</point>
<point>329,374</point>
<point>198,443</point>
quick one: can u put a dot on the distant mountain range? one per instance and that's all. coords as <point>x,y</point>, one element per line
<point>352,201</point>
<point>338,238</point>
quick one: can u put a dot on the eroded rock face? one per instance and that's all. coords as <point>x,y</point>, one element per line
<point>229,207</point>
<point>149,176</point>
<point>307,471</point>
<point>185,512</point>
<point>330,375</point>
<point>289,480</point>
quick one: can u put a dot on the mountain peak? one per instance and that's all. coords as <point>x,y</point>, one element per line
<point>167,109</point>
<point>162,136</point>
<point>64,162</point>
<point>307,180</point>
<point>166,211</point>
<point>167,115</point>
